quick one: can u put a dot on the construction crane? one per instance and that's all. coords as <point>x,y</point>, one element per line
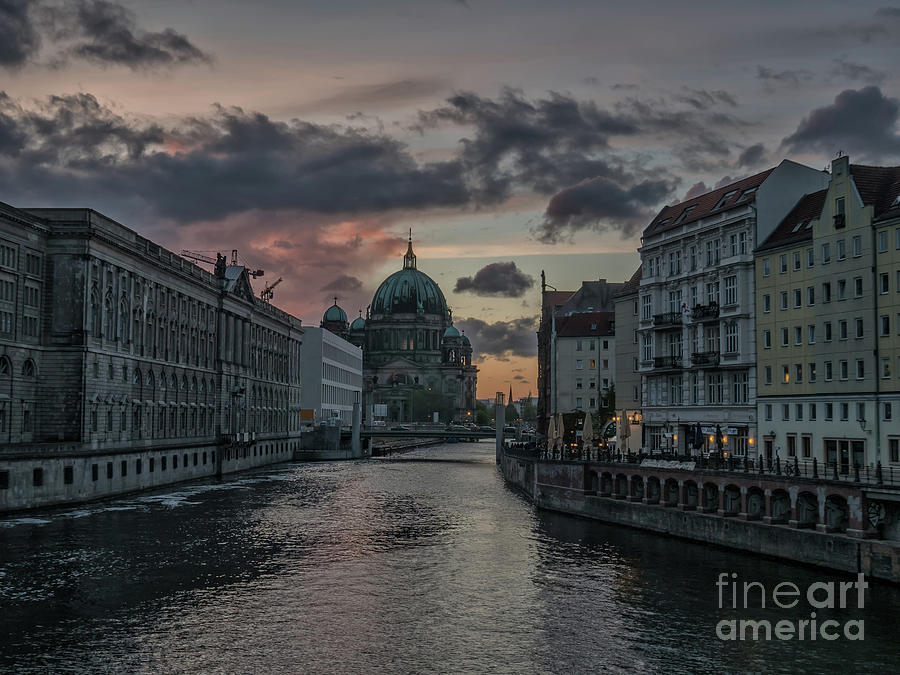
<point>267,293</point>
<point>200,256</point>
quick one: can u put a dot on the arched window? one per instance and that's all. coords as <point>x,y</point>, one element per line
<point>184,384</point>
<point>5,366</point>
<point>136,377</point>
<point>162,381</point>
<point>173,382</point>
<point>151,381</point>
<point>109,324</point>
<point>193,385</point>
<point>202,386</point>
<point>28,368</point>
<point>95,313</point>
<point>123,320</point>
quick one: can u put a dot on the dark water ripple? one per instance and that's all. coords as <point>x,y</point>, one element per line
<point>384,567</point>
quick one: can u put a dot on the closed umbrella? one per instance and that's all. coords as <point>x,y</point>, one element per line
<point>551,434</point>
<point>561,432</point>
<point>588,434</point>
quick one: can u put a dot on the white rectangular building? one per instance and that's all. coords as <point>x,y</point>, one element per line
<point>331,370</point>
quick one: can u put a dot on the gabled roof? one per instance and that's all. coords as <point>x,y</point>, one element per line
<point>878,186</point>
<point>586,324</point>
<point>743,192</point>
<point>593,296</point>
<point>553,299</point>
<point>237,282</point>
<point>797,225</point>
<point>633,284</point>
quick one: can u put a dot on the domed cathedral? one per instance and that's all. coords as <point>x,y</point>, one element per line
<point>414,359</point>
<point>335,320</point>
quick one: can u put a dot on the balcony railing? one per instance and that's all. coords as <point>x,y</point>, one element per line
<point>667,319</point>
<point>705,312</point>
<point>705,359</point>
<point>666,362</point>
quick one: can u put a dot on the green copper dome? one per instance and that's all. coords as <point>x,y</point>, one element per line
<point>359,323</point>
<point>335,313</point>
<point>465,340</point>
<point>451,332</point>
<point>409,291</point>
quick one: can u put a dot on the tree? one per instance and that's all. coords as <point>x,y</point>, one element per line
<point>529,412</point>
<point>482,414</point>
<point>511,413</point>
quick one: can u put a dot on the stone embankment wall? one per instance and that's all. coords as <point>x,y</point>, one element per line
<point>818,523</point>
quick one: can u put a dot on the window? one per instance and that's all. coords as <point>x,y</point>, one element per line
<point>885,283</point>
<point>767,267</point>
<point>885,368</point>
<point>578,383</point>
<point>782,261</point>
<point>693,257</point>
<point>826,253</point>
<point>730,290</point>
<point>806,443</point>
<point>578,402</point>
<point>826,291</point>
<point>810,257</point>
<point>791,445</point>
<point>796,260</point>
<point>812,372</point>
<point>798,298</point>
<point>785,412</point>
<point>844,369</point>
<point>811,333</point>
<point>858,287</point>
<point>768,412</point>
<point>785,375</point>
<point>593,363</point>
<point>894,443</point>
<point>857,246</point>
<point>739,388</point>
<point>768,375</point>
<point>767,303</point>
<point>798,373</point>
<point>828,371</point>
<point>842,289</point>
<point>798,412</point>
<point>845,411</point>
<point>859,328</point>
<point>860,411</point>
<point>798,335</point>
<point>812,412</point>
<point>827,331</point>
<point>885,325</point>
<point>731,338</point>
<point>811,295</point>
<point>579,364</point>
<point>784,300</point>
<point>714,388</point>
<point>860,369</point>
<point>842,325</point>
<point>829,411</point>
<point>784,336</point>
<point>646,307</point>
<point>767,339</point>
<point>593,345</point>
<point>578,345</point>
<point>841,249</point>
<point>882,241</point>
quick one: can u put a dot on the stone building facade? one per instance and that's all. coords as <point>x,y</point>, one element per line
<point>123,365</point>
<point>627,377</point>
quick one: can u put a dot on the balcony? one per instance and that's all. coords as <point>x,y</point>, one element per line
<point>708,312</point>
<point>666,363</point>
<point>667,319</point>
<point>705,359</point>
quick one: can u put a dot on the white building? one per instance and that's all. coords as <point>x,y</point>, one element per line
<point>697,309</point>
<point>331,369</point>
<point>585,360</point>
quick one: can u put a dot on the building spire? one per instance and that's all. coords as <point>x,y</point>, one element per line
<point>409,260</point>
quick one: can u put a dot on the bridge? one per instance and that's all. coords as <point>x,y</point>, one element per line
<point>431,433</point>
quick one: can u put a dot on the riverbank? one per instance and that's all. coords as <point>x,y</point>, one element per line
<point>791,520</point>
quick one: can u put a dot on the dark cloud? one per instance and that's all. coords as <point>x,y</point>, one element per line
<point>600,204</point>
<point>860,122</point>
<point>856,72</point>
<point>99,31</point>
<point>345,282</point>
<point>702,99</point>
<point>752,155</point>
<point>19,39</point>
<point>520,378</point>
<point>774,78</point>
<point>496,279</point>
<point>501,339</point>
<point>206,168</point>
<point>893,12</point>
<point>624,85</point>
<point>695,190</point>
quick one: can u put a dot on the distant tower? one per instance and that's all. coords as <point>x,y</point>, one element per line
<point>335,320</point>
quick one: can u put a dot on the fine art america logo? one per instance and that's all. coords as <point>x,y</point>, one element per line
<point>786,595</point>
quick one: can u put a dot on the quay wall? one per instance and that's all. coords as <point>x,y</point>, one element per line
<point>35,479</point>
<point>583,489</point>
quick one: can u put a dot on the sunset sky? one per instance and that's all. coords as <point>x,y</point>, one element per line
<point>511,135</point>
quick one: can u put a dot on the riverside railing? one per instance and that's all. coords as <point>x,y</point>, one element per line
<point>812,469</point>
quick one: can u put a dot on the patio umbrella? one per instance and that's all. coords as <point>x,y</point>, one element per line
<point>561,432</point>
<point>551,434</point>
<point>588,434</point>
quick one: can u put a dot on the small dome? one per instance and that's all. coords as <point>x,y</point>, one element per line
<point>451,332</point>
<point>335,313</point>
<point>359,323</point>
<point>465,341</point>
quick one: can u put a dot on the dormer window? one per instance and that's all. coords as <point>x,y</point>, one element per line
<point>728,195</point>
<point>684,214</point>
<point>746,194</point>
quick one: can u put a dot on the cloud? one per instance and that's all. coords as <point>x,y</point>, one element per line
<point>860,122</point>
<point>774,78</point>
<point>19,38</point>
<point>752,156</point>
<point>892,12</point>
<point>697,189</point>
<point>600,204</point>
<point>856,72</point>
<point>344,282</point>
<point>702,99</point>
<point>496,279</point>
<point>521,378</point>
<point>98,31</point>
<point>369,95</point>
<point>501,339</point>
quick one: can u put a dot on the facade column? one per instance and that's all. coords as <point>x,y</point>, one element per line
<point>229,338</point>
<point>220,337</point>
<point>238,339</point>
<point>245,352</point>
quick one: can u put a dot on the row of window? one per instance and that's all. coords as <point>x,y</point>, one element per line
<point>843,371</point>
<point>737,244</point>
<point>856,245</point>
<point>714,389</point>
<point>799,412</point>
<point>592,344</point>
<point>712,297</point>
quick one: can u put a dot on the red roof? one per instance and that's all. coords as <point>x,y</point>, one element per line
<point>553,299</point>
<point>586,324</point>
<point>797,225</point>
<point>877,185</point>
<point>688,211</point>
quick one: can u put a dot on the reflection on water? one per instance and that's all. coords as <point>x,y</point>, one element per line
<point>384,566</point>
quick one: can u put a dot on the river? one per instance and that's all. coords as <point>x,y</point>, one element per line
<point>422,563</point>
